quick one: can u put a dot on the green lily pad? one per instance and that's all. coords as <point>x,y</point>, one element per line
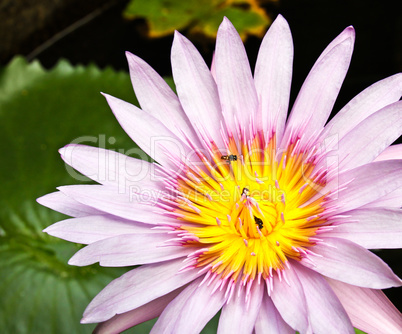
<point>41,111</point>
<point>203,16</point>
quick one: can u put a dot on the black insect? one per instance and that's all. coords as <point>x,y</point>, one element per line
<point>245,191</point>
<point>229,158</point>
<point>259,222</point>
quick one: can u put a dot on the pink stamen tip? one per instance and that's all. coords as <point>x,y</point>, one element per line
<point>302,188</point>
<point>276,184</point>
<point>253,254</point>
<point>245,242</point>
<point>277,243</point>
<point>282,217</point>
<point>209,196</point>
<point>258,181</point>
<point>218,221</point>
<point>221,185</point>
<point>283,199</point>
<point>229,218</point>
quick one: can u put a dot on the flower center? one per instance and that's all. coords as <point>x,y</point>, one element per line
<point>247,212</point>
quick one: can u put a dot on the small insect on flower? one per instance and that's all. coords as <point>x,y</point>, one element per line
<point>259,222</point>
<point>245,191</point>
<point>229,158</point>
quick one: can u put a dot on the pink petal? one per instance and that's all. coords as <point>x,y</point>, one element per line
<point>391,152</point>
<point>190,311</point>
<point>273,76</point>
<point>148,133</point>
<point>373,98</point>
<point>196,88</point>
<point>109,200</point>
<point>365,142</point>
<point>350,263</point>
<point>60,202</point>
<point>234,79</point>
<point>129,250</point>
<point>121,322</point>
<point>370,310</point>
<point>371,228</point>
<point>291,302</point>
<point>87,230</point>
<point>392,200</point>
<point>364,184</point>
<point>108,167</point>
<point>136,288</point>
<point>324,309</point>
<point>157,98</point>
<point>269,320</point>
<point>240,313</point>
<point>321,87</point>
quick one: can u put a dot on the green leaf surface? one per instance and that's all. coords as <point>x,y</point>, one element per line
<point>41,111</point>
<point>202,16</point>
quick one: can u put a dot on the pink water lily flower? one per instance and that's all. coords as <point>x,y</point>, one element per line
<point>264,217</point>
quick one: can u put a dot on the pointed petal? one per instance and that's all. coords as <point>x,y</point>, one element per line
<point>196,88</point>
<point>371,228</point>
<point>109,200</point>
<point>391,200</point>
<point>87,230</point>
<point>273,76</point>
<point>136,288</point>
<point>324,308</point>
<point>391,152</point>
<point>290,301</point>
<point>129,250</point>
<point>148,133</point>
<point>370,310</point>
<point>365,142</point>
<point>364,185</point>
<point>321,87</point>
<point>234,79</point>
<point>373,98</point>
<point>350,263</point>
<point>62,203</point>
<point>239,314</point>
<point>108,167</point>
<point>121,322</point>
<point>190,311</point>
<point>269,320</point>
<point>157,98</point>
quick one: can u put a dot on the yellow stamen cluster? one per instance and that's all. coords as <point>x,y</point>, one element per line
<point>251,210</point>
